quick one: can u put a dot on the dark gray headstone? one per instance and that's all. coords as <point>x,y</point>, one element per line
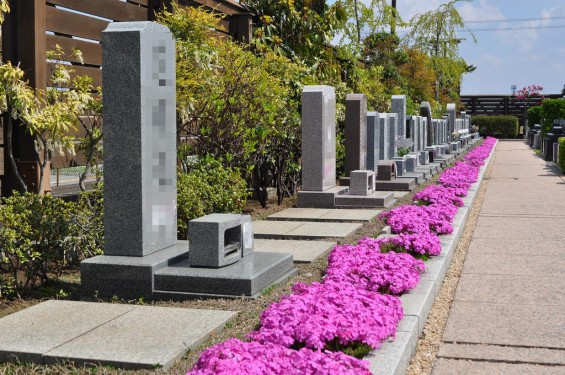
<point>426,111</point>
<point>373,140</point>
<point>451,113</point>
<point>399,107</point>
<point>384,139</point>
<point>355,133</point>
<point>318,138</point>
<point>140,181</point>
<point>392,134</point>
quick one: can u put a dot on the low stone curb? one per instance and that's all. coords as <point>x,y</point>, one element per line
<point>394,356</point>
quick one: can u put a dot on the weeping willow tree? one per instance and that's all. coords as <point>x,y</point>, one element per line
<point>435,32</point>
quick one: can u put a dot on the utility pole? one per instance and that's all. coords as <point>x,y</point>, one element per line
<point>393,25</point>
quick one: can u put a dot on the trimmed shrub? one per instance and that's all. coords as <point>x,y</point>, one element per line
<point>535,115</point>
<point>561,160</point>
<point>497,126</point>
<point>553,109</point>
<point>207,188</point>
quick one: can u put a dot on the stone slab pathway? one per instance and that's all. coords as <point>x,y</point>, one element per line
<point>302,251</point>
<point>508,315</point>
<point>325,214</point>
<point>302,230</point>
<point>125,336</point>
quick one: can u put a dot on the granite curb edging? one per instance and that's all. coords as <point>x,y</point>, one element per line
<point>394,355</point>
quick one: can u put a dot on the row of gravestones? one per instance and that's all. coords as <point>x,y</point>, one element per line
<point>142,257</point>
<point>371,140</point>
<point>549,144</point>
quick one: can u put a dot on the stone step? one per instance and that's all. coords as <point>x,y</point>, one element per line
<point>301,230</point>
<point>325,215</point>
<point>117,335</point>
<point>382,199</point>
<point>418,176</point>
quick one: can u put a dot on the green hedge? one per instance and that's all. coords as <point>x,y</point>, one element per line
<point>497,126</point>
<point>561,160</point>
<point>553,109</point>
<point>535,115</point>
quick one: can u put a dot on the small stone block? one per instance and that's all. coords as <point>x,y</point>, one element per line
<point>361,182</point>
<point>386,170</point>
<point>216,240</point>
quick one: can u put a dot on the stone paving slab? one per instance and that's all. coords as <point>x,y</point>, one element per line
<point>502,353</point>
<point>270,229</point>
<point>274,228</point>
<point>543,290</point>
<point>325,230</point>
<point>501,227</point>
<point>505,324</point>
<point>302,251</point>
<point>444,366</point>
<point>513,264</point>
<point>125,336</point>
<point>33,332</point>
<point>320,214</point>
<point>527,246</point>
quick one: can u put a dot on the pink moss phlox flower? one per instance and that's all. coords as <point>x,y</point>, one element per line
<point>420,219</point>
<point>425,243</point>
<point>366,267</point>
<point>438,194</point>
<point>321,312</point>
<point>407,219</point>
<point>252,358</point>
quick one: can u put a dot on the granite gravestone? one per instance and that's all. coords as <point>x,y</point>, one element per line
<point>399,107</point>
<point>392,134</point>
<point>318,138</point>
<point>426,111</point>
<point>143,258</point>
<point>355,133</point>
<point>373,140</point>
<point>384,139</point>
<point>139,139</point>
<point>451,113</point>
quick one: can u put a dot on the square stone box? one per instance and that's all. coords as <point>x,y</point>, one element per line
<point>218,240</point>
<point>362,182</point>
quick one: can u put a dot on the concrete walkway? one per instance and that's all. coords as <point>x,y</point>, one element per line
<point>508,315</point>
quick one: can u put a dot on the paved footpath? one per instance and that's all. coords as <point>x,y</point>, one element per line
<point>508,315</point>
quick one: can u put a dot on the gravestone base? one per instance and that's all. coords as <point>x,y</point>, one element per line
<point>319,199</point>
<point>398,184</point>
<point>246,278</point>
<point>418,176</point>
<point>106,276</point>
<point>378,199</point>
<point>424,157</point>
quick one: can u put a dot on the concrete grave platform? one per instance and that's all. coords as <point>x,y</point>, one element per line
<point>324,214</point>
<point>302,251</point>
<point>418,176</point>
<point>403,184</point>
<point>124,336</point>
<point>301,230</point>
<point>320,199</point>
<point>246,278</point>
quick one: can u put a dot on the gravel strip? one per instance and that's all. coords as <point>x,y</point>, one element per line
<point>430,339</point>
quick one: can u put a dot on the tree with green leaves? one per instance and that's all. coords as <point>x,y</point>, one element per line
<point>48,115</point>
<point>435,32</point>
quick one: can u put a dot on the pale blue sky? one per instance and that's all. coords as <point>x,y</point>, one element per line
<point>532,52</point>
